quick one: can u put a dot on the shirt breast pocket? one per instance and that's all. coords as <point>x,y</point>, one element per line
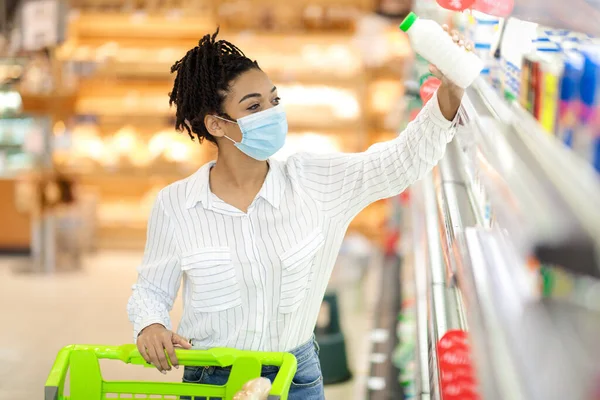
<point>296,271</point>
<point>214,283</point>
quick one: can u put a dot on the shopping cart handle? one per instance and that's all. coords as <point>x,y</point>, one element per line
<point>82,361</point>
<point>196,358</point>
<point>217,357</point>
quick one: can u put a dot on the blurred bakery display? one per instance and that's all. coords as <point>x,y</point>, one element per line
<point>114,64</point>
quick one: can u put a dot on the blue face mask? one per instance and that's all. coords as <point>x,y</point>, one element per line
<point>263,133</point>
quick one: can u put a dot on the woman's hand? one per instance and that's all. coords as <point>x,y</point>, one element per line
<point>450,95</point>
<point>154,340</point>
<point>257,389</point>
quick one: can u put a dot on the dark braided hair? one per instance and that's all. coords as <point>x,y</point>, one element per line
<point>202,82</point>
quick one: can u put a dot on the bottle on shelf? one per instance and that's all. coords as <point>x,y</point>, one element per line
<point>429,40</point>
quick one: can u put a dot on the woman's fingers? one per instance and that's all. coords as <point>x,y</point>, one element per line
<point>436,72</point>
<point>161,359</point>
<point>181,341</point>
<point>144,353</point>
<point>170,349</point>
<point>458,38</point>
<point>153,354</point>
<point>455,35</point>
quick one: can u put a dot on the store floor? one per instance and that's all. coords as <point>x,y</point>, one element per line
<point>40,314</point>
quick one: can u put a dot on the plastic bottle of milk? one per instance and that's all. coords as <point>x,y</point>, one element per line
<point>436,46</point>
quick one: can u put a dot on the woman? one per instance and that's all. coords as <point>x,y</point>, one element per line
<point>254,240</point>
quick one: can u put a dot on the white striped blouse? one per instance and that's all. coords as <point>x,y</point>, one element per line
<point>255,280</point>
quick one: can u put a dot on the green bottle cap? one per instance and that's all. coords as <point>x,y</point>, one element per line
<point>408,21</point>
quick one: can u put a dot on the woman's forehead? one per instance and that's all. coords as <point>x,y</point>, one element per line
<point>252,81</point>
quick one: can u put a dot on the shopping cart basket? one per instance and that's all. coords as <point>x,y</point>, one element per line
<point>86,381</point>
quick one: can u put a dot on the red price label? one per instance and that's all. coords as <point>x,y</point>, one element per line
<point>460,390</point>
<point>428,88</point>
<point>497,8</point>
<point>455,339</point>
<point>455,358</point>
<point>455,374</point>
<point>456,368</point>
<point>455,5</point>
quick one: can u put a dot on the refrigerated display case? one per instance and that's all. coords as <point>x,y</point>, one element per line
<point>24,146</point>
<point>505,235</point>
<point>500,256</point>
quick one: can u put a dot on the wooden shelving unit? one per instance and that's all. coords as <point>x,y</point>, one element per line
<point>130,55</point>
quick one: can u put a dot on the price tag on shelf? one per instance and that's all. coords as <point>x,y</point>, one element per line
<point>459,390</point>
<point>456,5</point>
<point>455,374</point>
<point>428,88</point>
<point>454,339</point>
<point>455,366</point>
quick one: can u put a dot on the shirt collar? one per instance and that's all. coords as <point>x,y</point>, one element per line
<point>274,186</point>
<point>198,186</point>
<point>198,189</point>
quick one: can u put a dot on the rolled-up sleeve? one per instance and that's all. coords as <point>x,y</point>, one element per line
<point>159,275</point>
<point>347,183</point>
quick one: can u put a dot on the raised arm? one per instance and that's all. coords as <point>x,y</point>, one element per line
<point>347,183</point>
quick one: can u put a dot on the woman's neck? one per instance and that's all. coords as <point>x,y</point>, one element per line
<point>239,171</point>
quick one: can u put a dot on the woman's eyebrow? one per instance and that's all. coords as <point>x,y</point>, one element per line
<point>251,95</point>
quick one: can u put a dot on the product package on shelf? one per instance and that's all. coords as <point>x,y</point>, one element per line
<point>554,74</point>
<point>484,31</point>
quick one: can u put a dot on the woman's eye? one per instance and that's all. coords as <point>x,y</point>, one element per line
<point>276,100</point>
<point>253,107</point>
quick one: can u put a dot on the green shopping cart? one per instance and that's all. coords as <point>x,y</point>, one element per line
<point>86,382</point>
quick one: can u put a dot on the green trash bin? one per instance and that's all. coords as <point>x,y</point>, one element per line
<point>332,343</point>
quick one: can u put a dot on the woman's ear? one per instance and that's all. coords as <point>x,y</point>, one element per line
<point>214,125</point>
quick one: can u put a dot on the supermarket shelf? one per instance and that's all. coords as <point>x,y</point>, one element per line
<point>575,15</point>
<point>161,71</point>
<point>139,25</point>
<point>178,27</point>
<point>472,274</point>
<point>134,177</point>
<point>521,164</point>
<point>438,300</point>
<point>165,118</point>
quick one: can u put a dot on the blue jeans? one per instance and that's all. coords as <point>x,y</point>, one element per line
<point>306,385</point>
